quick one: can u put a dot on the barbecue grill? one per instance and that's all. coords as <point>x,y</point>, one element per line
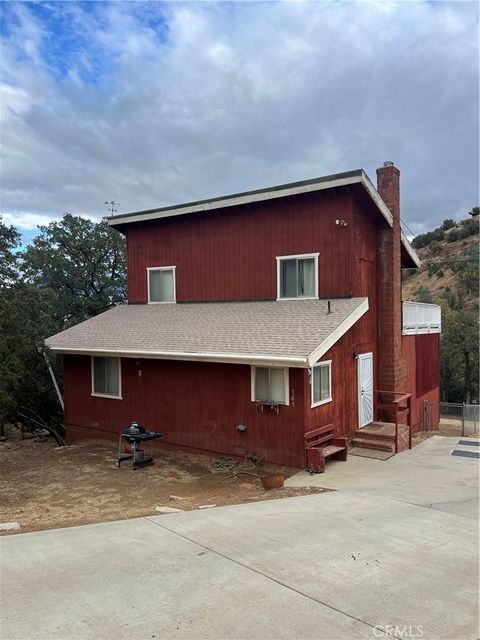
<point>130,442</point>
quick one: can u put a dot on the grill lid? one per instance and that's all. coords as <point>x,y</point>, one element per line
<point>134,429</point>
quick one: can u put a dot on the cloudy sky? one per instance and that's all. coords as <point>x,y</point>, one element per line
<point>161,103</point>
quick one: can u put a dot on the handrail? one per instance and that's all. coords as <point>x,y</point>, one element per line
<point>393,405</point>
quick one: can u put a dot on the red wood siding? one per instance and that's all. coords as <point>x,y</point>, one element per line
<point>362,338</point>
<point>195,405</point>
<point>427,363</point>
<point>422,352</point>
<point>339,411</point>
<point>343,410</point>
<point>365,241</point>
<point>231,254</point>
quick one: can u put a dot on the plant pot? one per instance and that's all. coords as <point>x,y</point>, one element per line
<point>274,481</point>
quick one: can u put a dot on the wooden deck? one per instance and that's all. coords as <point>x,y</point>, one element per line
<point>381,436</point>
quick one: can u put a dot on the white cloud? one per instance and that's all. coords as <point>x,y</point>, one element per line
<point>26,221</point>
<point>160,103</point>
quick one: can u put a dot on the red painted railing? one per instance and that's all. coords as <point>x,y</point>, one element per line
<point>399,406</point>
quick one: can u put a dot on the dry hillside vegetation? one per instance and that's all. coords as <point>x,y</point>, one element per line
<point>448,267</point>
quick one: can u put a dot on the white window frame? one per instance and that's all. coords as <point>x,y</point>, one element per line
<point>106,395</point>
<point>285,384</point>
<point>319,365</point>
<point>170,268</point>
<point>299,255</point>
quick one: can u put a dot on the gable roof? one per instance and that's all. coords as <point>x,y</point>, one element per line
<point>277,333</point>
<point>358,176</point>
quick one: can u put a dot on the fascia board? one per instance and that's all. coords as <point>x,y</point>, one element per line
<point>338,333</point>
<point>235,201</point>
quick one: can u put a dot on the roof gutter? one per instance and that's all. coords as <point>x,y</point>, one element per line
<point>228,358</point>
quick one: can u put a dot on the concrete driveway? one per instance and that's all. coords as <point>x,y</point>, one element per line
<point>427,475</point>
<point>346,564</point>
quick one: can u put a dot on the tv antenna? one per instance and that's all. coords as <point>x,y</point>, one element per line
<point>112,206</point>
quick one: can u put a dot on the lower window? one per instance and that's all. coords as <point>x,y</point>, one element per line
<point>106,377</point>
<point>270,385</point>
<point>321,383</point>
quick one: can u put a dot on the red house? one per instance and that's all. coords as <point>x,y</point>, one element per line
<point>256,318</point>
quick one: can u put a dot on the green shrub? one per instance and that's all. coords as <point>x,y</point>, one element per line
<point>425,239</point>
<point>470,227</point>
<point>448,224</point>
<point>453,235</point>
<point>424,295</point>
<point>449,297</point>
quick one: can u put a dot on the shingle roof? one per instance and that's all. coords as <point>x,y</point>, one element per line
<point>286,333</point>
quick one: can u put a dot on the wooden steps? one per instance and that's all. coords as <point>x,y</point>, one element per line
<point>373,443</point>
<point>380,436</point>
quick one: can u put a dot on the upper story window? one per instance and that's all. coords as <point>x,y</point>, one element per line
<point>321,383</point>
<point>161,284</point>
<point>106,377</point>
<point>270,385</point>
<point>297,276</point>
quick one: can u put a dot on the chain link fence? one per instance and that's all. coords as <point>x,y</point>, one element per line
<point>455,419</point>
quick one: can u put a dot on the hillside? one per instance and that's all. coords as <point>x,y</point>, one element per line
<point>449,270</point>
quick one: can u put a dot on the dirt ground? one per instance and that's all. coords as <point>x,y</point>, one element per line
<point>419,437</point>
<point>43,486</point>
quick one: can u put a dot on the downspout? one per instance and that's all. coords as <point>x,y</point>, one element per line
<point>41,349</point>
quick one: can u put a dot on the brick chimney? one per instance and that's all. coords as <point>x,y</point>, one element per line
<point>392,369</point>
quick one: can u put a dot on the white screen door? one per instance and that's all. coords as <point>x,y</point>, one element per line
<point>365,389</point>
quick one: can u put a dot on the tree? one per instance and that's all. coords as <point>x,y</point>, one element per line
<point>450,298</point>
<point>468,278</point>
<point>474,211</point>
<point>9,241</point>
<point>73,270</point>
<point>459,356</point>
<point>81,261</point>
<point>26,318</point>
